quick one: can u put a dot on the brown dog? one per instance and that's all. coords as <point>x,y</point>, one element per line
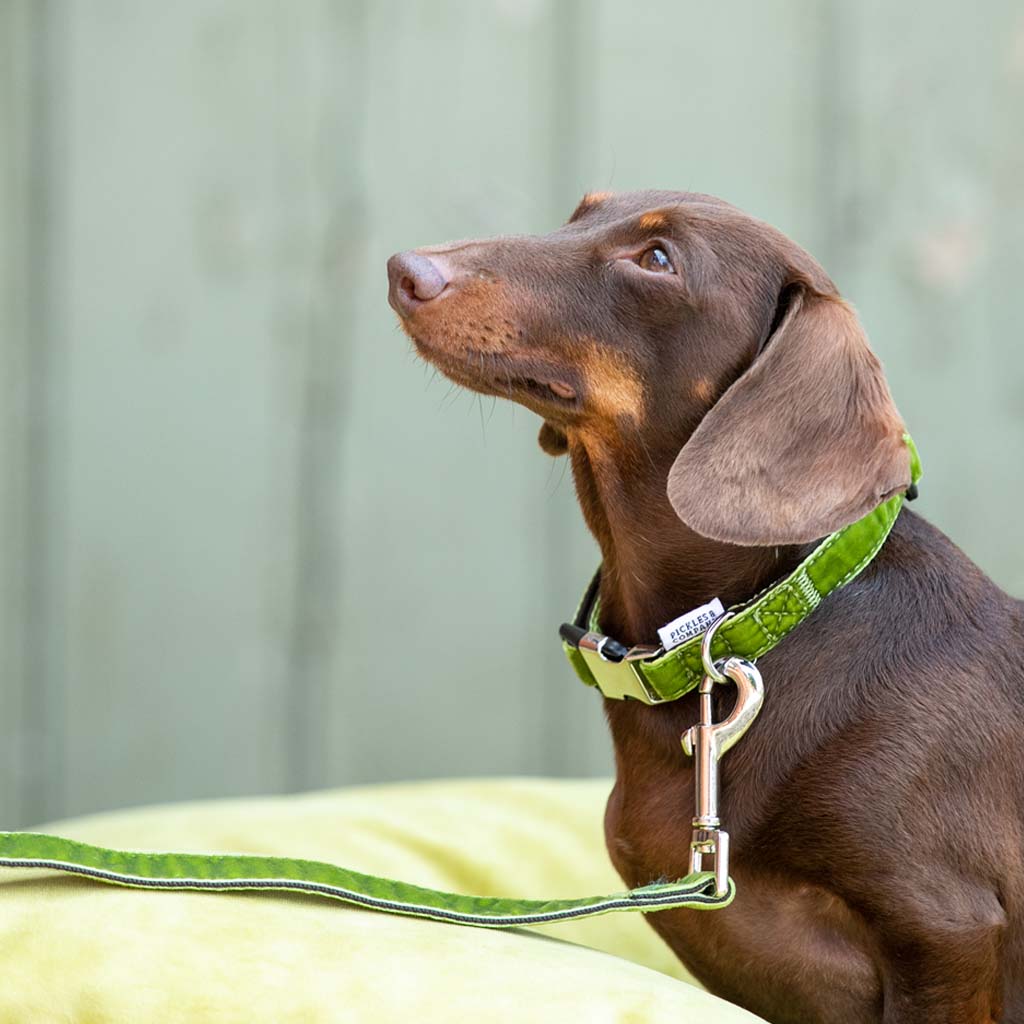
<point>723,412</point>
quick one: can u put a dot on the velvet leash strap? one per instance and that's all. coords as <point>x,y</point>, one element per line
<point>244,872</point>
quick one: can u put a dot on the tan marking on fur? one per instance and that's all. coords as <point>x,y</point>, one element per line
<point>653,221</point>
<point>615,386</point>
<point>596,197</point>
<point>592,440</point>
<point>703,389</point>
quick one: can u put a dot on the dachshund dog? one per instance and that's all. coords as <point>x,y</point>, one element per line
<point>723,413</point>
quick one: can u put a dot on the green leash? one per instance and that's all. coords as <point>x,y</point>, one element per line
<point>647,674</point>
<point>239,873</point>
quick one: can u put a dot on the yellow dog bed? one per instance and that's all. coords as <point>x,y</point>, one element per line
<point>80,952</point>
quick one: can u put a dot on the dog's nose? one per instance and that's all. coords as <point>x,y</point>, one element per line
<point>414,279</point>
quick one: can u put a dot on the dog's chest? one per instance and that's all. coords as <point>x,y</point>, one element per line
<point>780,948</point>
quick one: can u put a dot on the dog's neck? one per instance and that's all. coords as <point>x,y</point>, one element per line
<point>654,567</point>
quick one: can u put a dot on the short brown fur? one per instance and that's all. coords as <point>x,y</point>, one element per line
<point>720,418</point>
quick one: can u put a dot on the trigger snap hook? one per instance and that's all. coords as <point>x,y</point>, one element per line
<point>710,668</point>
<point>706,742</point>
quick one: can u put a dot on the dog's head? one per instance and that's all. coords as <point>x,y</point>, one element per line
<point>674,328</point>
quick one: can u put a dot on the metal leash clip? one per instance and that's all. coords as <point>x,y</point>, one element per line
<point>707,741</point>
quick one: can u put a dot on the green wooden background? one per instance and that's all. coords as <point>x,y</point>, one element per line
<point>247,545</point>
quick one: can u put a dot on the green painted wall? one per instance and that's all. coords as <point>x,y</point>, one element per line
<point>247,543</point>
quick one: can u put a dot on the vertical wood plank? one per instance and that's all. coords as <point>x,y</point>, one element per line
<point>34,508</point>
<point>336,61</point>
<point>933,204</point>
<point>18,29</point>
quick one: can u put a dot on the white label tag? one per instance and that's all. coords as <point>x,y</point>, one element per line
<point>691,624</point>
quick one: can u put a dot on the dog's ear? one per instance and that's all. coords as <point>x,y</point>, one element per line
<point>552,439</point>
<point>806,441</point>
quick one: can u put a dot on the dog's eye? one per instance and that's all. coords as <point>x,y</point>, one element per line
<point>656,261</point>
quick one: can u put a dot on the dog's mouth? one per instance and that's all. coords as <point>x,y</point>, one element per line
<point>527,380</point>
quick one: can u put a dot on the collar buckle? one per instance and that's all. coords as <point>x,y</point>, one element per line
<point>615,668</point>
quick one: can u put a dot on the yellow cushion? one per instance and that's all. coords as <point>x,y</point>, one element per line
<point>77,951</point>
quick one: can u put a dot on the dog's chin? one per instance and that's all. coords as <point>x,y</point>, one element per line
<point>529,382</point>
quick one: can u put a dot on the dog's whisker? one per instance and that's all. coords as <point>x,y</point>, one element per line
<point>561,475</point>
<point>483,425</point>
<point>445,403</point>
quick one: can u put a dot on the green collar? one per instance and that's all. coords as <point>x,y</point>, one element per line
<point>651,675</point>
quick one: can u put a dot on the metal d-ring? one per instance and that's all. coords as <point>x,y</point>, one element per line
<point>710,669</point>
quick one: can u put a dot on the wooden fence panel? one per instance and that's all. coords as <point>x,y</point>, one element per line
<point>248,542</point>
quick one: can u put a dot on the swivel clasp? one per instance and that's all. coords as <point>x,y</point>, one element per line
<point>706,742</point>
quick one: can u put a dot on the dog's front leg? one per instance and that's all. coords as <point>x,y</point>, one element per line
<point>789,952</point>
<point>941,958</point>
<point>958,1000</point>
